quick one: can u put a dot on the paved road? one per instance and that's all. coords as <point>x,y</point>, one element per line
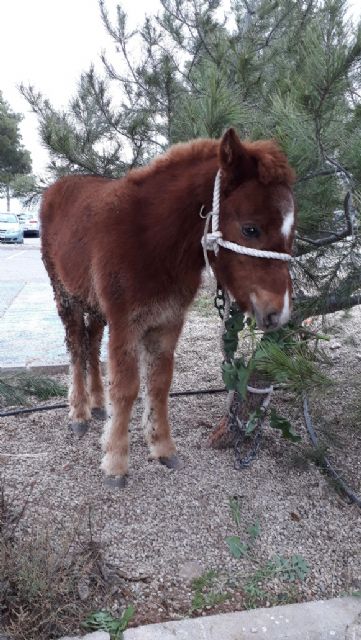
<point>31,334</point>
<point>22,262</point>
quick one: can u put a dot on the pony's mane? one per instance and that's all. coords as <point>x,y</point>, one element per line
<point>272,164</point>
<point>180,153</point>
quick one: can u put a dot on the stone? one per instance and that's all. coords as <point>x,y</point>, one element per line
<point>190,570</point>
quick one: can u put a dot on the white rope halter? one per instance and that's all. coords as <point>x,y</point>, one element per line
<point>211,241</point>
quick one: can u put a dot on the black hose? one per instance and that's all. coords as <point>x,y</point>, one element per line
<point>325,461</point>
<point>50,407</point>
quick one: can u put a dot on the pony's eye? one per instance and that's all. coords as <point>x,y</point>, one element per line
<point>250,231</point>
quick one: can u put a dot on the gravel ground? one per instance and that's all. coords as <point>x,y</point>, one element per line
<point>168,527</point>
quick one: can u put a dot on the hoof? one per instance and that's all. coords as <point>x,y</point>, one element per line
<point>116,482</point>
<point>79,428</point>
<point>99,413</point>
<point>173,462</point>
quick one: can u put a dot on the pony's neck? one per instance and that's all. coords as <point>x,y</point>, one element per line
<point>172,193</point>
<point>188,193</point>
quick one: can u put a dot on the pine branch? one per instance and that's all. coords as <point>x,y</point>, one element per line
<point>333,237</point>
<point>315,306</point>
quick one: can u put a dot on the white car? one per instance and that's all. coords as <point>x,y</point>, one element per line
<point>10,228</point>
<point>30,224</point>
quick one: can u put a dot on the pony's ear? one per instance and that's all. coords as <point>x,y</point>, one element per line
<point>235,161</point>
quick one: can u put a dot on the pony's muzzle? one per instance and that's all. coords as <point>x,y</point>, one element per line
<point>271,317</point>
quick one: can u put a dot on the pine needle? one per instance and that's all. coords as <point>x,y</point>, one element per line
<point>20,388</point>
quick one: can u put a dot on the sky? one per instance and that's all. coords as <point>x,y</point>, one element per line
<point>47,44</point>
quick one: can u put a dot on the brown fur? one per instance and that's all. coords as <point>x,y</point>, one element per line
<point>127,252</point>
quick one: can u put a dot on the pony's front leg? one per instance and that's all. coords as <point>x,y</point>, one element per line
<point>123,391</point>
<point>159,345</point>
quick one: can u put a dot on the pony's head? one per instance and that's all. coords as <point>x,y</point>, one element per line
<point>256,211</point>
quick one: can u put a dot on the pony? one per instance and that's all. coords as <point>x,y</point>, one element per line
<point>127,252</point>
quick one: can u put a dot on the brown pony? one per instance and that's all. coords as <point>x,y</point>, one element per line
<point>128,253</point>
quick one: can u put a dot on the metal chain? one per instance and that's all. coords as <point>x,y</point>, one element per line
<point>235,425</point>
<point>219,301</point>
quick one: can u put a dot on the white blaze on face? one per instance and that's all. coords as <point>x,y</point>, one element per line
<point>285,313</point>
<point>288,222</point>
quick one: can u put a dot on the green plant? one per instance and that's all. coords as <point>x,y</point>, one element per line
<point>105,621</point>
<point>279,422</point>
<point>287,357</point>
<point>205,594</point>
<point>235,509</point>
<point>17,389</point>
<point>237,548</point>
<point>291,569</point>
<point>284,356</point>
<point>285,569</point>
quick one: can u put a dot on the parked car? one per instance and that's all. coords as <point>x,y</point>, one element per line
<point>30,224</point>
<point>10,228</point>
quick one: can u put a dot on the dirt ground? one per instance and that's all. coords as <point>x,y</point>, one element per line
<point>167,528</point>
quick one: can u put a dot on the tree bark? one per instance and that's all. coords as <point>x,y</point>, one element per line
<point>8,198</point>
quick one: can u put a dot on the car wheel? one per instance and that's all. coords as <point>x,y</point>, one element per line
<point>20,240</point>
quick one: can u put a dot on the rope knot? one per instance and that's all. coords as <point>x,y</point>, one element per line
<point>210,241</point>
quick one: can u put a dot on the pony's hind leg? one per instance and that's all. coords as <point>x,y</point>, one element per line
<point>95,328</point>
<point>159,344</point>
<point>72,316</point>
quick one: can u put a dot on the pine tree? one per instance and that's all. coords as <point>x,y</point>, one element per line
<point>288,69</point>
<point>14,159</point>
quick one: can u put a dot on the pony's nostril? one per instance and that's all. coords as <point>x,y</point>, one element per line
<point>271,320</point>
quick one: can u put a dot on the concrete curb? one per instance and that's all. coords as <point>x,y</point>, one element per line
<point>320,620</point>
<point>38,369</point>
<point>45,368</point>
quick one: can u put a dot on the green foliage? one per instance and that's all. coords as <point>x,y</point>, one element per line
<point>293,569</point>
<point>14,158</point>
<point>105,621</point>
<point>285,357</point>
<point>235,510</point>
<point>285,569</point>
<point>237,548</point>
<point>284,69</point>
<point>254,530</point>
<point>278,422</point>
<point>17,389</point>
<point>205,595</point>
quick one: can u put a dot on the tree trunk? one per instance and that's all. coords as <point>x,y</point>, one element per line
<point>8,198</point>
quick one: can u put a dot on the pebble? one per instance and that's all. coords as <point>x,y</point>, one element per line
<point>190,570</point>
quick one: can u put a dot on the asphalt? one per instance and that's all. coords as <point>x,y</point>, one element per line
<point>32,337</point>
<point>31,333</point>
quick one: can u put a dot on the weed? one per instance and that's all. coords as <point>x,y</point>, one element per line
<point>105,621</point>
<point>43,576</point>
<point>205,595</point>
<point>256,587</point>
<point>237,548</point>
<point>285,569</point>
<point>234,503</point>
